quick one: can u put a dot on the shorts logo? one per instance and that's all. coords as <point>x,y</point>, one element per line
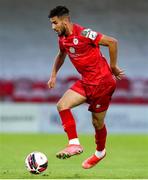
<point>75,41</point>
<point>98,106</point>
<point>72,50</point>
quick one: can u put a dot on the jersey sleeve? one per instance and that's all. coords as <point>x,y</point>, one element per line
<point>61,47</point>
<point>93,36</point>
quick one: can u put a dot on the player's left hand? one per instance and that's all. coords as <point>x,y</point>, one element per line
<point>118,73</point>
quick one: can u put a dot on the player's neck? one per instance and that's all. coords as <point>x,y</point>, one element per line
<point>69,29</point>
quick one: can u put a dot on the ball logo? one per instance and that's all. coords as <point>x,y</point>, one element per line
<point>72,50</point>
<point>75,41</point>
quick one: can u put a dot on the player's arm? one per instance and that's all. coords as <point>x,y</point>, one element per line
<point>59,60</point>
<point>112,44</point>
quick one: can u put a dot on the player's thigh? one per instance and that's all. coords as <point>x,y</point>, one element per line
<point>70,99</point>
<point>98,119</point>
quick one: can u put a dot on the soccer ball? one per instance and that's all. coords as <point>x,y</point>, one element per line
<point>36,162</point>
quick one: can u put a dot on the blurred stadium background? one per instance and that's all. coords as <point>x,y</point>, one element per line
<point>27,50</point>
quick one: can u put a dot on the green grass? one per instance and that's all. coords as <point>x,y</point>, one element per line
<point>127,157</point>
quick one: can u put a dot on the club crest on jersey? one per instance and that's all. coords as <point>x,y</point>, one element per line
<point>89,34</point>
<point>72,50</point>
<point>75,41</point>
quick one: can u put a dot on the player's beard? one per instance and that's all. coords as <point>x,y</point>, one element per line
<point>62,31</point>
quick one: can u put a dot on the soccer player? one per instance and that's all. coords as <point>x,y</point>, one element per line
<point>96,85</point>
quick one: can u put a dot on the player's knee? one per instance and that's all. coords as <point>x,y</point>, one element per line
<point>98,123</point>
<point>61,106</point>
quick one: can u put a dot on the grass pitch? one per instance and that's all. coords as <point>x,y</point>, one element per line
<point>127,157</point>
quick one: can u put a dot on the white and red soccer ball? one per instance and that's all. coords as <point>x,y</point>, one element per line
<point>36,162</point>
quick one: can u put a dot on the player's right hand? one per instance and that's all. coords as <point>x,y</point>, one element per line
<point>118,73</point>
<point>52,82</point>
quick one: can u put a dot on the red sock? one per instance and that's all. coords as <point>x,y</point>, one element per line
<point>68,123</point>
<point>100,138</point>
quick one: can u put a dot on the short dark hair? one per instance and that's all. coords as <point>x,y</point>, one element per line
<point>58,11</point>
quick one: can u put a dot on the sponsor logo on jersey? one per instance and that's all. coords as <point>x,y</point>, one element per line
<point>72,50</point>
<point>75,41</point>
<point>89,34</point>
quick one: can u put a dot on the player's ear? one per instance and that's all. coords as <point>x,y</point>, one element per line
<point>66,19</point>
